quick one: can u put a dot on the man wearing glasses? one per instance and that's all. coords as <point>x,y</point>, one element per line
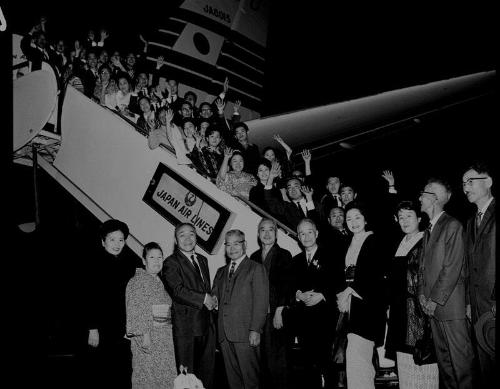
<point>442,288</point>
<point>480,243</point>
<point>242,291</point>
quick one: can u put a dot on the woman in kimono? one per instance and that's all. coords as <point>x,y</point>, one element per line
<point>149,324</point>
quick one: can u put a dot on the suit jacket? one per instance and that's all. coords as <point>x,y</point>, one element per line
<point>278,268</point>
<point>287,212</point>
<point>335,241</point>
<point>480,251</point>
<point>367,316</point>
<point>33,54</point>
<point>243,301</point>
<point>189,316</point>
<point>89,82</point>
<point>442,268</point>
<point>324,275</point>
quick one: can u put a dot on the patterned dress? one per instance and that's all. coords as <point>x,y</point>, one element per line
<point>148,310</point>
<point>237,184</point>
<point>406,320</point>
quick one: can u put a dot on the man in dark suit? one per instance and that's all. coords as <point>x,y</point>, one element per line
<point>34,46</point>
<point>317,278</point>
<point>442,288</point>
<point>331,198</point>
<point>274,341</point>
<point>187,279</point>
<point>301,204</point>
<point>336,235</point>
<point>91,74</point>
<point>242,291</point>
<point>250,151</point>
<point>480,251</point>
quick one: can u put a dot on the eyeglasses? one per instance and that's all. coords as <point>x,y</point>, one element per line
<point>238,243</point>
<point>424,192</point>
<point>470,181</point>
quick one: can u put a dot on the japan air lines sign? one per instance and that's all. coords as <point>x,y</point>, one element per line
<point>179,201</point>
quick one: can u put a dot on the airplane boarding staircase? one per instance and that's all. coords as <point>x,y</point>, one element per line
<point>104,161</point>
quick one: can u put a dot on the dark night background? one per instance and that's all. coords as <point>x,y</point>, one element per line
<point>317,54</point>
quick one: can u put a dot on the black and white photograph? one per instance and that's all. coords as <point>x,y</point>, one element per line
<point>251,194</point>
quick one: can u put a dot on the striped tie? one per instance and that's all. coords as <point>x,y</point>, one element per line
<point>193,260</point>
<point>478,221</point>
<point>231,269</point>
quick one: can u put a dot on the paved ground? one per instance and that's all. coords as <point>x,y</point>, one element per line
<point>64,371</point>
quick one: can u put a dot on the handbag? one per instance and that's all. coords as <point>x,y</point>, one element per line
<point>424,352</point>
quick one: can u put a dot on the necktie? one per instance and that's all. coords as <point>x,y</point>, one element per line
<point>478,221</point>
<point>193,260</point>
<point>427,233</point>
<point>337,199</point>
<point>300,208</point>
<point>308,259</point>
<point>231,269</point>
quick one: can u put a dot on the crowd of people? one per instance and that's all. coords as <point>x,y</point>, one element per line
<point>429,288</point>
<point>401,273</point>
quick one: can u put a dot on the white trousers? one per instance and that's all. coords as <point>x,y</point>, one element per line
<point>359,366</point>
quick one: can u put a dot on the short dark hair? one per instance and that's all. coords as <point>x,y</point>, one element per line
<point>347,185</point>
<point>267,148</point>
<point>91,51</point>
<point>206,103</point>
<point>408,205</point>
<point>361,207</point>
<point>125,76</point>
<point>188,103</point>
<point>150,246</point>
<point>240,124</point>
<point>237,152</point>
<point>113,225</point>
<point>481,167</point>
<point>333,175</point>
<point>189,120</point>
<point>211,130</point>
<point>441,181</point>
<point>145,98</point>
<point>265,162</point>
<point>184,224</point>
<point>204,120</point>
<point>192,94</point>
<point>335,207</point>
<point>105,66</point>
<point>290,178</point>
